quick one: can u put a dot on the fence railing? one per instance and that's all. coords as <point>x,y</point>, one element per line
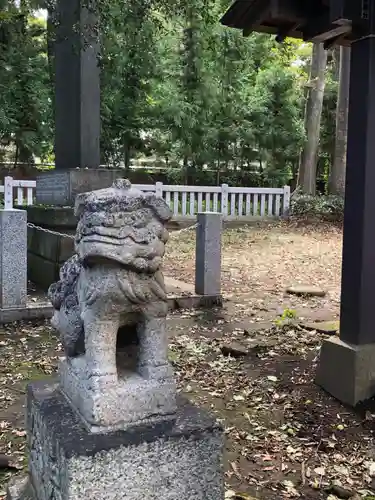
<point>230,201</point>
<point>185,201</point>
<point>17,192</point>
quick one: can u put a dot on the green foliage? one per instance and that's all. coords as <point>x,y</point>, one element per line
<point>177,86</point>
<point>318,207</point>
<point>127,66</point>
<point>228,104</point>
<point>328,125</point>
<point>25,111</point>
<point>287,317</point>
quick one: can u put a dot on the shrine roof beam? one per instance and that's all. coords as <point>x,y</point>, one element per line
<point>320,30</point>
<point>239,14</point>
<point>313,20</point>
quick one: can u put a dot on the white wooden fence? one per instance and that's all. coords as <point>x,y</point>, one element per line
<point>186,201</point>
<point>24,190</point>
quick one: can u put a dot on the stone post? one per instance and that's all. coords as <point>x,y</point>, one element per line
<point>346,367</point>
<point>13,259</point>
<point>224,199</point>
<point>208,254</point>
<point>77,107</point>
<point>77,86</point>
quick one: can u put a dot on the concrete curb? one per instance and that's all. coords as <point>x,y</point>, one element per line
<point>41,310</point>
<point>35,311</point>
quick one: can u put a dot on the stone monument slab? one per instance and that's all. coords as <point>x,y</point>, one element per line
<point>53,188</point>
<point>61,187</point>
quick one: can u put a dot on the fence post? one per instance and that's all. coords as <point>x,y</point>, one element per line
<point>159,189</point>
<point>208,254</point>
<point>8,193</point>
<point>224,199</point>
<point>286,201</point>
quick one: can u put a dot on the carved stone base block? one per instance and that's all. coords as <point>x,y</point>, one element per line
<point>170,460</point>
<point>117,404</point>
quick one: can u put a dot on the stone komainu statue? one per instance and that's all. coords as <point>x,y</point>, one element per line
<point>120,243</point>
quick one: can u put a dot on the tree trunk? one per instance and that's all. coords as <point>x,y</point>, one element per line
<point>336,63</point>
<point>51,34</point>
<point>336,183</point>
<point>24,155</point>
<point>313,113</point>
<point>126,155</point>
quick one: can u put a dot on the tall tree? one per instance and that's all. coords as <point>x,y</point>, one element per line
<point>24,87</point>
<point>313,113</point>
<point>176,85</point>
<point>127,67</point>
<point>336,183</point>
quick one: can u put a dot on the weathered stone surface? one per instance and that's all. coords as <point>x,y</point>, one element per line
<point>260,344</point>
<point>115,281</point>
<point>251,328</point>
<point>46,252</point>
<point>53,217</point>
<point>131,400</point>
<point>234,349</point>
<point>64,298</point>
<point>327,327</point>
<point>60,187</point>
<point>208,254</point>
<point>346,371</point>
<point>41,272</point>
<point>13,261</point>
<point>21,489</point>
<point>172,460</point>
<point>340,492</point>
<point>248,347</point>
<point>307,290</point>
<point>30,312</point>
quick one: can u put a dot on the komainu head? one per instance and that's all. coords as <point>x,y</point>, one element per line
<point>124,225</point>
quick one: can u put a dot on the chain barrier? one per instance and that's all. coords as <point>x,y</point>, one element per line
<point>72,236</point>
<point>174,233</point>
<point>49,231</point>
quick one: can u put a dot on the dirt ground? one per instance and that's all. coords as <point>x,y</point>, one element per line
<point>285,437</point>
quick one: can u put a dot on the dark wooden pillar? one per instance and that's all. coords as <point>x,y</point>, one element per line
<point>77,86</point>
<point>346,367</point>
<point>357,324</point>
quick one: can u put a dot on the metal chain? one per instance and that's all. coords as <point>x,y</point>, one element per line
<point>72,236</point>
<point>174,233</point>
<point>45,230</point>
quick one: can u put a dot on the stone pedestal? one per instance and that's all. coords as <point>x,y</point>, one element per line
<point>171,460</point>
<point>124,401</point>
<point>60,187</point>
<point>347,371</point>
